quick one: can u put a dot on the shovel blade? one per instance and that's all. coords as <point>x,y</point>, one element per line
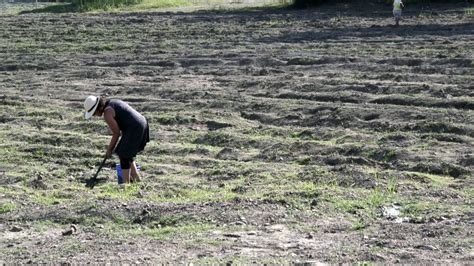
<point>92,182</point>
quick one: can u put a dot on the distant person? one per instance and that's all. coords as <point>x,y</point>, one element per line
<point>397,11</point>
<point>125,123</point>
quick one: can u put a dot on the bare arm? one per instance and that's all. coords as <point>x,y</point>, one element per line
<point>109,116</point>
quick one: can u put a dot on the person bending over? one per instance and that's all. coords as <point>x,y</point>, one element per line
<point>125,123</point>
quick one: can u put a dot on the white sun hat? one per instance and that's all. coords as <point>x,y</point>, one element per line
<point>90,105</point>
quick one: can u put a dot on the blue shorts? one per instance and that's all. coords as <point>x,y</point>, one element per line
<point>397,13</point>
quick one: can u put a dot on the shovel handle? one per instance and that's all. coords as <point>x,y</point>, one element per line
<point>100,168</point>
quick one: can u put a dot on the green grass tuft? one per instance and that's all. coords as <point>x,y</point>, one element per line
<point>7,207</point>
<point>114,191</point>
<point>469,11</point>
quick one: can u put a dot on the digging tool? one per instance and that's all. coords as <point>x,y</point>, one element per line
<point>90,183</point>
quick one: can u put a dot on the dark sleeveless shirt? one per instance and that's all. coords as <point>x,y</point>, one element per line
<point>127,118</point>
<point>133,126</point>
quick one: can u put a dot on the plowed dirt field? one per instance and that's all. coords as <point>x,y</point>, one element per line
<point>321,135</point>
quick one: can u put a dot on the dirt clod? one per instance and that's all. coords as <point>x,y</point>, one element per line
<point>71,231</point>
<point>16,229</point>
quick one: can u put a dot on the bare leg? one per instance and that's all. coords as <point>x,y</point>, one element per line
<point>126,175</point>
<point>134,172</point>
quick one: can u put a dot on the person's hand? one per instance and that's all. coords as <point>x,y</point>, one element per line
<point>108,154</point>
